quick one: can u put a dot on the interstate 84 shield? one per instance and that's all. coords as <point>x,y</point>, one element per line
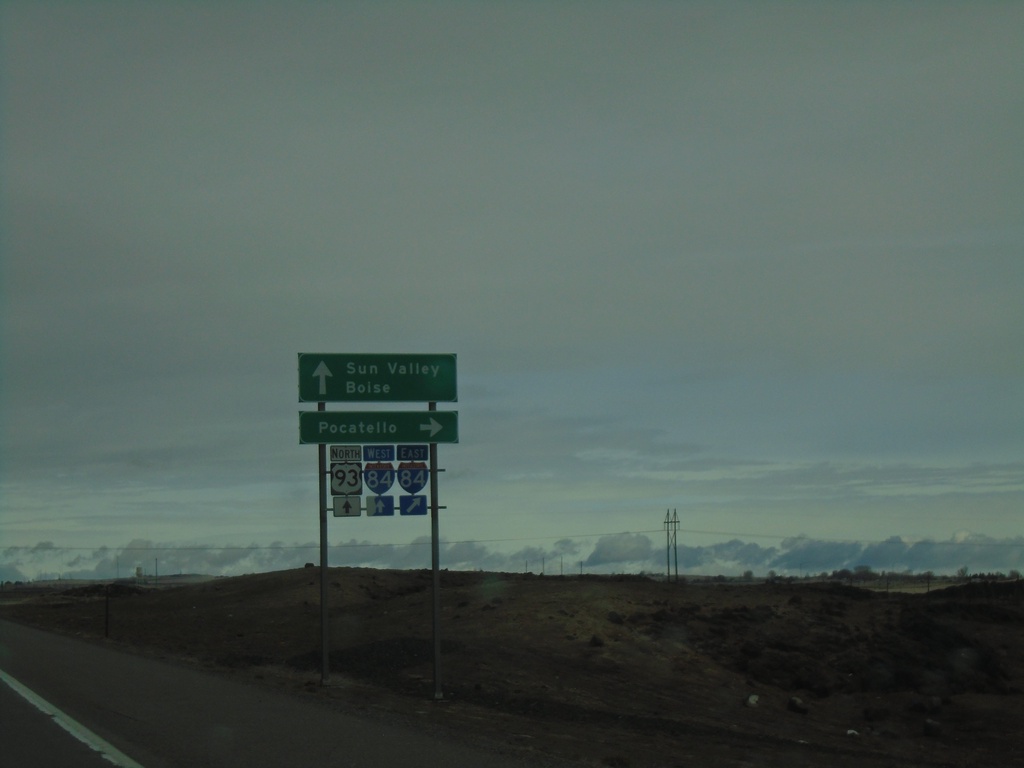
<point>378,476</point>
<point>412,476</point>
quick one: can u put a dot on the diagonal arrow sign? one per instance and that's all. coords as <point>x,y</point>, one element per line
<point>412,505</point>
<point>322,372</point>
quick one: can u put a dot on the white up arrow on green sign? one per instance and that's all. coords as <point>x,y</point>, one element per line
<point>379,426</point>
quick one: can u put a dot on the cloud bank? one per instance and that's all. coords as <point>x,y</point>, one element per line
<point>625,552</point>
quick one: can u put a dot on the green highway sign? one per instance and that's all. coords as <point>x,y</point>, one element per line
<point>379,426</point>
<point>376,378</point>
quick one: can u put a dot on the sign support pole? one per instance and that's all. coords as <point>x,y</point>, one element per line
<point>435,557</point>
<point>325,643</point>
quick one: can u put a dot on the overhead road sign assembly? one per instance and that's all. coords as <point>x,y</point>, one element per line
<point>365,465</point>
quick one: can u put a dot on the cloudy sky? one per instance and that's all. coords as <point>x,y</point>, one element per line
<point>759,263</point>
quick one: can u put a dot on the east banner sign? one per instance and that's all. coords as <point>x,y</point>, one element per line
<point>413,378</point>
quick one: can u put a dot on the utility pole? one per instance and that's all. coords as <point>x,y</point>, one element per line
<point>671,526</point>
<point>675,543</point>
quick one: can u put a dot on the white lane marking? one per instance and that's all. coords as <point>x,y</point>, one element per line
<point>107,750</point>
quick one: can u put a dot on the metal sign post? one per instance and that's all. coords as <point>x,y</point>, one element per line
<point>325,640</point>
<point>435,565</point>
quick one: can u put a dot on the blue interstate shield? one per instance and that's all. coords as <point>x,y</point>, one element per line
<point>412,476</point>
<point>378,476</point>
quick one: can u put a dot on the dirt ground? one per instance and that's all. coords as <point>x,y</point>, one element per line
<point>615,671</point>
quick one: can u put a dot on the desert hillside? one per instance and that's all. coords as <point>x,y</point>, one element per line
<point>618,671</point>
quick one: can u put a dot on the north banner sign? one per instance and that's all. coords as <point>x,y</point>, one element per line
<point>346,453</point>
<point>379,426</point>
<point>376,378</point>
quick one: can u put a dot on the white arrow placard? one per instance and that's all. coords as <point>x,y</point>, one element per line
<point>348,506</point>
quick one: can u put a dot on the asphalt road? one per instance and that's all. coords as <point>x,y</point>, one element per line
<point>30,738</point>
<point>162,714</point>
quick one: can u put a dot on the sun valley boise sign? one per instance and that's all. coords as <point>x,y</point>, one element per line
<point>376,378</point>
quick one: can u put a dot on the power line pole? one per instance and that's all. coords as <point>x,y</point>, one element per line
<point>668,546</point>
<point>671,526</point>
<point>675,543</point>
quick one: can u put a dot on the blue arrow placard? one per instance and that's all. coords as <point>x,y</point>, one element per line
<point>380,506</point>
<point>412,505</point>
